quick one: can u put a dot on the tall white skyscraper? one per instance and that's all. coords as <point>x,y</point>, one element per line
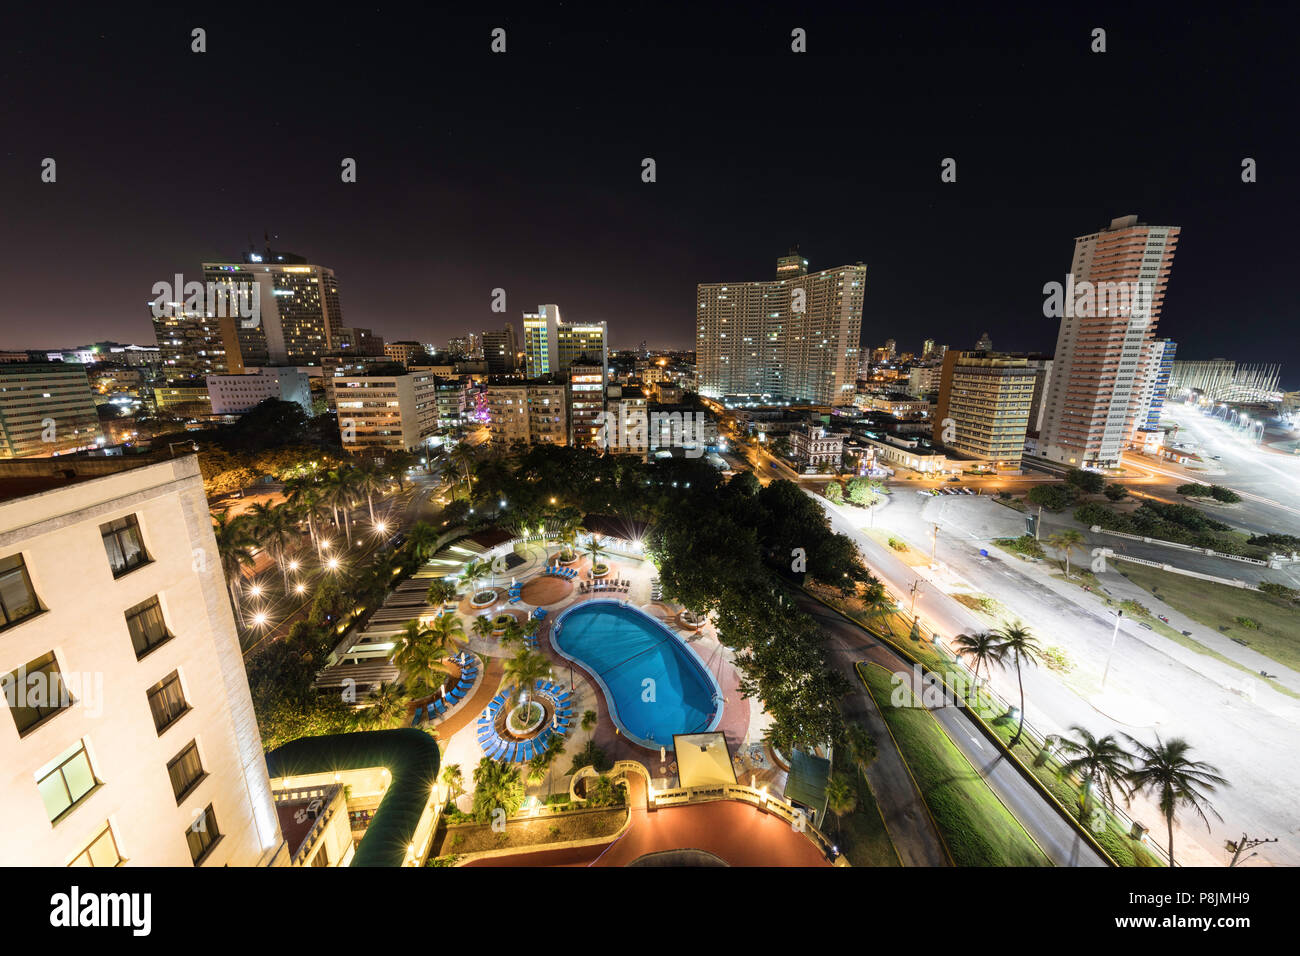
<point>794,336</point>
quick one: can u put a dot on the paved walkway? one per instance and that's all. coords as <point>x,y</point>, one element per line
<point>738,833</point>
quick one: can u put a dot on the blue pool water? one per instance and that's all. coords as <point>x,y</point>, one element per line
<point>625,648</point>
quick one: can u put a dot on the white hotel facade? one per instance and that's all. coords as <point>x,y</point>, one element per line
<point>110,588</point>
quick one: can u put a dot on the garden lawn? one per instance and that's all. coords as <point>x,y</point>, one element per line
<point>1219,605</point>
<point>978,829</point>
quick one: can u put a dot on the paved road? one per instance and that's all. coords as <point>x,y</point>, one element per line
<point>1059,840</point>
<point>1181,692</point>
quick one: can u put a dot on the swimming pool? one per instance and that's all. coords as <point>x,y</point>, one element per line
<point>654,684</point>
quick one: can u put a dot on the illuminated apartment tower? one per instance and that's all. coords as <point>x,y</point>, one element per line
<point>1104,360</point>
<point>300,317</point>
<point>586,378</point>
<point>551,345</point>
<point>794,336</point>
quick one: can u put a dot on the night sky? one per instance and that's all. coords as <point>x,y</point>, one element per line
<point>523,170</point>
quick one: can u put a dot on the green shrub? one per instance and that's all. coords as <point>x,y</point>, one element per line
<point>1090,482</point>
<point>1025,545</point>
<point>1248,622</point>
<point>1276,590</point>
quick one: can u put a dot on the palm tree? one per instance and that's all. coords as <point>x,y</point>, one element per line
<point>474,571</point>
<point>440,592</point>
<point>1175,780</point>
<point>1016,640</point>
<point>304,494</point>
<point>984,649</point>
<point>879,604</point>
<point>385,707</point>
<point>862,746</point>
<point>235,551</point>
<point>482,626</point>
<point>596,549</point>
<point>554,750</point>
<point>453,780</point>
<point>367,480</point>
<point>420,658</point>
<point>1066,541</point>
<point>1101,764</point>
<point>275,531</point>
<point>446,632</point>
<point>514,633</point>
<point>421,540</point>
<point>497,786</point>
<point>464,458</point>
<point>525,669</point>
<point>841,798</point>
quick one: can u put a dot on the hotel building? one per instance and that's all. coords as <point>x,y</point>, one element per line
<point>794,336</point>
<point>129,737</point>
<point>551,345</point>
<point>386,412</point>
<point>1104,359</point>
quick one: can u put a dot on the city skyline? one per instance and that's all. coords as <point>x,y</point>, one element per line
<point>446,212</point>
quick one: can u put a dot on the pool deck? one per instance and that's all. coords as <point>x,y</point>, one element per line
<point>742,720</point>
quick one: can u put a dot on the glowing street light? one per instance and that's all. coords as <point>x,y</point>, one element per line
<point>293,565</point>
<point>380,527</point>
<point>255,589</point>
<point>259,619</point>
<point>300,588</point>
<point>332,564</point>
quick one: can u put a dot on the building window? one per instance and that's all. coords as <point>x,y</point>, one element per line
<point>17,597</point>
<point>167,701</point>
<point>34,692</point>
<point>101,852</point>
<point>124,545</point>
<point>186,770</point>
<point>202,835</point>
<point>66,780</point>
<point>322,858</point>
<point>147,627</point>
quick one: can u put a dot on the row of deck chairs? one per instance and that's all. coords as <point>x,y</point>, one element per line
<point>592,587</point>
<point>521,751</point>
<point>558,571</point>
<point>513,596</point>
<point>440,705</point>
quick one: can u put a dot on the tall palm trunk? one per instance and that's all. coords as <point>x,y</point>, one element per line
<point>1021,681</point>
<point>370,503</point>
<point>1169,824</point>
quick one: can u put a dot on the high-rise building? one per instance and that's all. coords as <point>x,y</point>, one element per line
<point>586,378</point>
<point>1160,365</point>
<point>500,350</point>
<point>46,408</point>
<point>129,735</point>
<point>191,344</point>
<point>794,336</point>
<point>551,345</point>
<point>927,350</point>
<point>1103,349</point>
<point>299,317</point>
<point>983,409</point>
<point>985,343</point>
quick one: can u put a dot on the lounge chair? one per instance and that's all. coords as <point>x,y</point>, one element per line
<point>415,718</point>
<point>511,751</point>
<point>525,752</point>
